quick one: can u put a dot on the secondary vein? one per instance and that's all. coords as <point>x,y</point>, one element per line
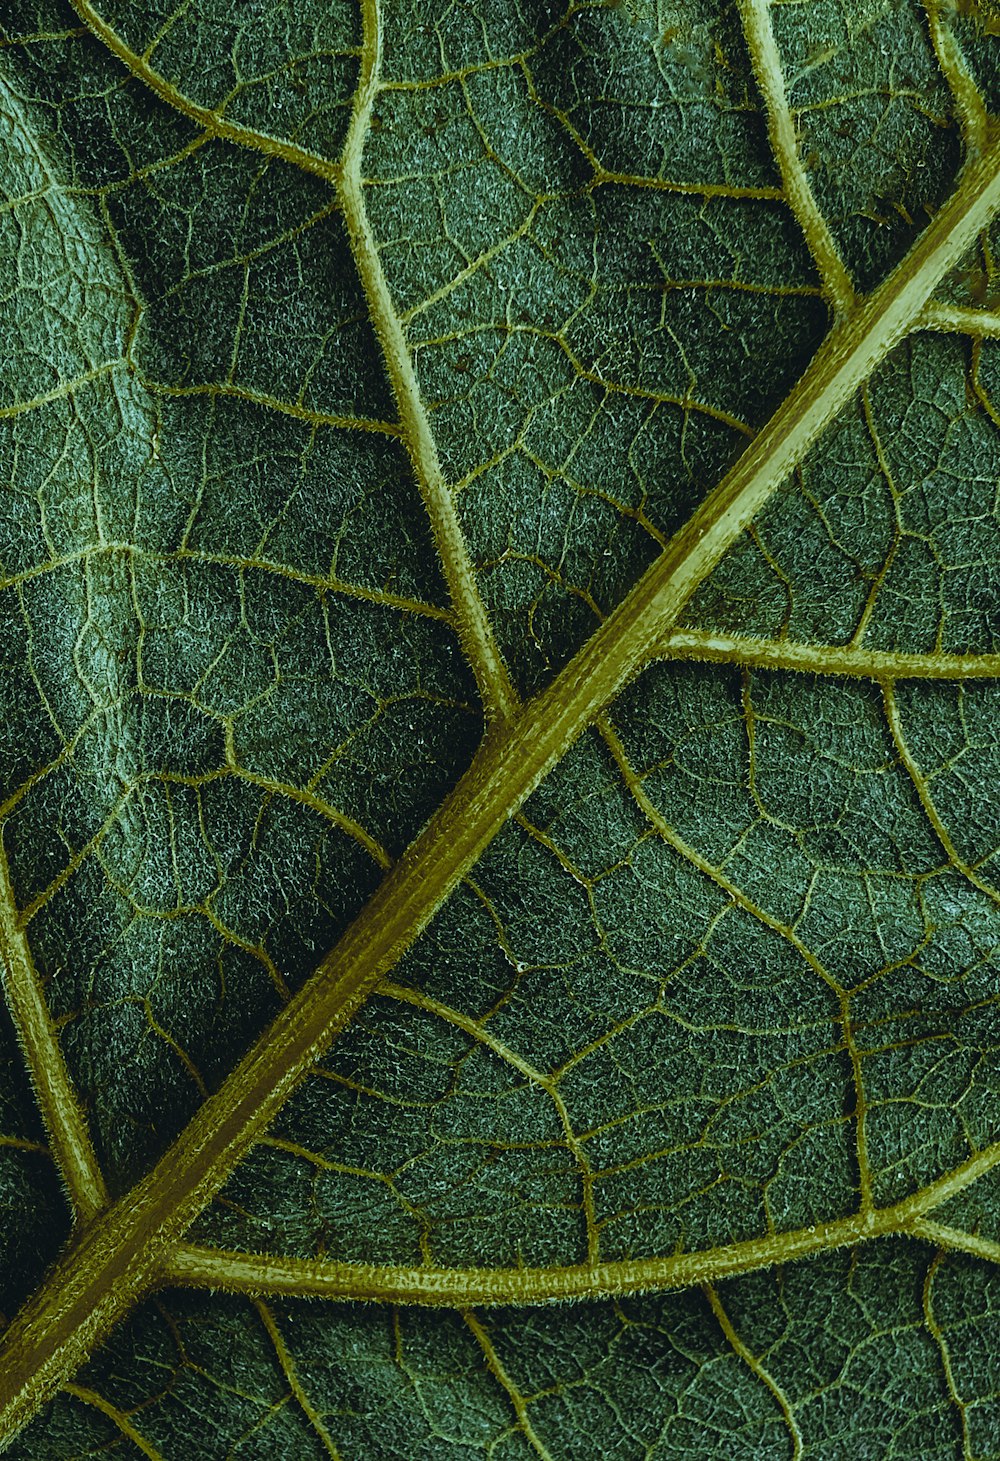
<point>475,630</point>
<point>344,176</point>
<point>213,122</point>
<point>767,70</point>
<point>58,1102</point>
<point>457,1288</point>
<point>825,659</point>
<point>970,107</point>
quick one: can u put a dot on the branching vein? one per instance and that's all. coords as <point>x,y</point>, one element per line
<point>497,1369</point>
<point>767,69</point>
<point>755,1366</point>
<point>475,630</point>
<point>922,787</point>
<point>940,1339</point>
<point>118,1418</point>
<point>255,1273</point>
<point>213,122</point>
<point>717,876</point>
<point>294,1383</point>
<point>345,177</point>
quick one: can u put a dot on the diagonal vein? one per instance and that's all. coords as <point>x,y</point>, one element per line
<point>122,1253</point>
<point>498,1370</point>
<point>57,1100</point>
<point>757,1368</point>
<point>921,785</point>
<point>213,122</point>
<point>295,1385</point>
<point>118,1418</point>
<point>970,107</point>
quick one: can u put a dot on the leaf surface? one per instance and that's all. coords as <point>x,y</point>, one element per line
<point>373,375</point>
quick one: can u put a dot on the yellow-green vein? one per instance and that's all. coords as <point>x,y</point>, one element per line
<point>825,659</point>
<point>121,1254</point>
<point>58,1102</point>
<point>475,630</point>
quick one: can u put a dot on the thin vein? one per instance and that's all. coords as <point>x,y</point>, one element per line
<point>474,1028</point>
<point>767,69</point>
<point>213,122</point>
<point>877,581</point>
<point>824,659</point>
<point>664,830</point>
<point>118,1417</point>
<point>287,1364</point>
<point>275,403</point>
<point>756,1367</point>
<point>937,1334</point>
<point>319,804</point>
<point>474,628</point>
<point>922,788</point>
<point>59,392</point>
<point>604,178</point>
<point>547,1083</point>
<point>324,582</point>
<point>58,1102</point>
<point>498,1370</point>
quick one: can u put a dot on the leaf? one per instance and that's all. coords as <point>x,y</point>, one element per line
<point>619,378</point>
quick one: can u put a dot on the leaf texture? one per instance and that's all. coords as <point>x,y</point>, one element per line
<point>498,573</point>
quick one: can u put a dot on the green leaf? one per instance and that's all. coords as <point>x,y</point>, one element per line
<point>499,558</point>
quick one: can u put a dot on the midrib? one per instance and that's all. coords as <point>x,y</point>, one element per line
<point>123,1253</point>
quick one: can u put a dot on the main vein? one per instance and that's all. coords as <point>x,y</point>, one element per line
<point>123,1252</point>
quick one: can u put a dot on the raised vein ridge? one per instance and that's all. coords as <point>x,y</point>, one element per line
<point>58,1102</point>
<point>766,61</point>
<point>474,627</point>
<point>257,1273</point>
<point>123,1252</point>
<point>852,661</point>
